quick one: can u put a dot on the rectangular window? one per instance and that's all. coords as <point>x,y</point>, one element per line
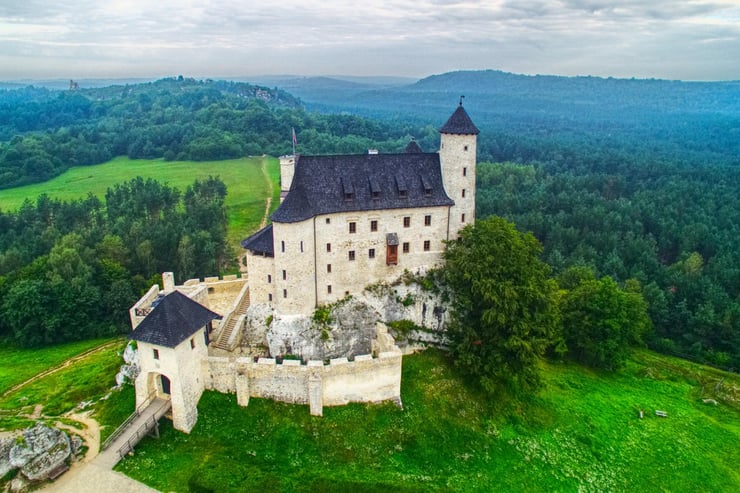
<point>156,353</point>
<point>301,246</point>
<point>269,296</point>
<point>282,246</point>
<point>373,225</point>
<point>192,343</point>
<point>285,293</point>
<point>463,218</point>
<point>269,278</point>
<point>465,171</point>
<point>371,253</point>
<point>351,254</point>
<point>465,148</point>
<point>406,247</point>
<point>328,268</point>
<point>285,275</point>
<point>328,247</point>
<point>407,221</point>
<point>463,193</point>
<point>328,220</point>
<point>427,220</point>
<point>427,245</point>
<point>328,289</point>
<point>352,227</point>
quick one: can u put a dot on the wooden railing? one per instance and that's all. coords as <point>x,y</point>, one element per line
<point>119,431</point>
<point>150,423</point>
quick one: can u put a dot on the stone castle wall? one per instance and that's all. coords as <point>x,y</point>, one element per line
<point>366,379</point>
<point>457,155</point>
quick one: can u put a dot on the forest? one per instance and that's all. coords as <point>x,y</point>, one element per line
<point>638,180</point>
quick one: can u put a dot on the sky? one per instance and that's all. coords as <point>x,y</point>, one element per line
<point>79,39</point>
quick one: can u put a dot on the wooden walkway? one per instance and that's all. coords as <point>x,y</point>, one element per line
<point>134,429</point>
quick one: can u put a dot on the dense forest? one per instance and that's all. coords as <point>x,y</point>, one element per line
<point>43,132</point>
<point>71,270</point>
<point>638,180</point>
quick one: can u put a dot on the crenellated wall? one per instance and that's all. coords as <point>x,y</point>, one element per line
<point>366,379</point>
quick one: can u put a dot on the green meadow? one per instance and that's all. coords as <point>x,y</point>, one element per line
<point>582,432</point>
<point>248,187</point>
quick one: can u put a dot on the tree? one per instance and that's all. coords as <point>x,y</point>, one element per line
<point>504,312</point>
<point>601,320</point>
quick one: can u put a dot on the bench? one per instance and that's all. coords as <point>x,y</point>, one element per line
<point>662,414</point>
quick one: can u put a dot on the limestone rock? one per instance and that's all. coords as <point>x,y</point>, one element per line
<point>131,369</point>
<point>5,446</point>
<point>19,484</point>
<point>41,451</point>
<point>349,331</point>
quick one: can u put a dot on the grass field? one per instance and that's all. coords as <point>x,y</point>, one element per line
<point>581,433</point>
<point>247,185</point>
<point>87,379</point>
<point>18,365</point>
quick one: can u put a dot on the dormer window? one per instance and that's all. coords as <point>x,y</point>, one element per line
<point>348,189</point>
<point>403,191</point>
<point>427,186</point>
<point>374,189</point>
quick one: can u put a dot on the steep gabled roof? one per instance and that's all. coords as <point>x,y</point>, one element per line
<point>260,242</point>
<point>413,147</point>
<point>362,182</point>
<point>459,123</point>
<point>173,320</point>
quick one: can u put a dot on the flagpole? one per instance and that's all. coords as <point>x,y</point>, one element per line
<point>294,140</point>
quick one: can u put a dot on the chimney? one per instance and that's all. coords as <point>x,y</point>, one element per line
<point>168,281</point>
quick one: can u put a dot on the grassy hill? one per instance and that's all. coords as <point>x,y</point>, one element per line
<point>248,187</point>
<point>581,433</point>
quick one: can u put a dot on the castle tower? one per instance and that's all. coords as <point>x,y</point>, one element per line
<point>457,156</point>
<point>287,170</point>
<point>173,343</point>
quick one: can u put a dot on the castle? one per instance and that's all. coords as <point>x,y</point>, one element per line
<point>344,222</point>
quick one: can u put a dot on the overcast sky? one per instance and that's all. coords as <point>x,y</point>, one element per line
<point>673,39</point>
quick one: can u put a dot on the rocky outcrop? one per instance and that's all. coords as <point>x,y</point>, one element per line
<point>40,452</point>
<point>131,369</point>
<point>5,445</point>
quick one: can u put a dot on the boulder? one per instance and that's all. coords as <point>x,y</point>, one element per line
<point>5,446</point>
<point>132,368</point>
<point>40,452</point>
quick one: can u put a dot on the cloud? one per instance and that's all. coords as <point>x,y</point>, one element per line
<point>79,38</point>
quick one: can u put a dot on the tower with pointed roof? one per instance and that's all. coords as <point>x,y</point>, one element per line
<point>457,155</point>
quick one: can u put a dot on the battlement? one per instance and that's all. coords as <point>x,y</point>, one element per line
<point>336,382</point>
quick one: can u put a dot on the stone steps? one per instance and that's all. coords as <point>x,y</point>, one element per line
<point>231,318</point>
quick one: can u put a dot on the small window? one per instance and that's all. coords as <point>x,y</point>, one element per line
<point>192,343</point>
<point>328,268</point>
<point>403,193</point>
<point>376,195</point>
<point>328,289</point>
<point>427,245</point>
<point>282,246</point>
<point>371,253</point>
<point>428,220</point>
<point>352,227</point>
<point>155,353</point>
<point>301,246</point>
<point>285,275</point>
<point>373,225</point>
<point>328,220</point>
<point>465,171</point>
<point>328,247</point>
<point>269,296</point>
<point>269,278</point>
<point>463,218</point>
<point>406,247</point>
<point>463,193</point>
<point>351,254</point>
<point>407,221</point>
<point>285,293</point>
<point>465,148</point>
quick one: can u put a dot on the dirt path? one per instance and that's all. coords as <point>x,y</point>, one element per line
<point>60,366</point>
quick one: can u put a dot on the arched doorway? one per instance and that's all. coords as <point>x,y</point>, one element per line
<point>164,384</point>
<point>160,385</point>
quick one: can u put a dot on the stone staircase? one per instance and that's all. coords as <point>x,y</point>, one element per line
<point>227,339</point>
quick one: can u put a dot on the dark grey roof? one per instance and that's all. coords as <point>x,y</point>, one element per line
<point>260,242</point>
<point>459,123</point>
<point>362,182</point>
<point>412,147</point>
<point>173,320</point>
